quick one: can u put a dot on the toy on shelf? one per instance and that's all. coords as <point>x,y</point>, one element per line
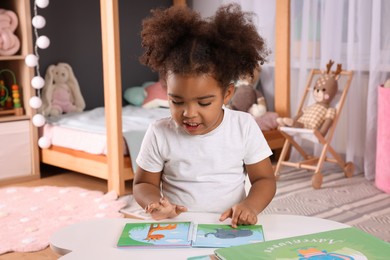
<point>9,43</point>
<point>10,101</point>
<point>3,93</point>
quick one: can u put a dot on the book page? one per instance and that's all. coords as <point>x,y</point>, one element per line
<point>156,234</point>
<point>221,235</point>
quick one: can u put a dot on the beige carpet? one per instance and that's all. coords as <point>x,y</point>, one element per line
<point>354,201</point>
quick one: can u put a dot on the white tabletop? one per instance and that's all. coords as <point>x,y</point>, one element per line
<point>96,239</point>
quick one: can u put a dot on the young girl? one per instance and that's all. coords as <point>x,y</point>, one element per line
<point>198,158</point>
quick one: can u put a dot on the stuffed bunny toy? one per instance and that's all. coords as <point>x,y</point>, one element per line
<point>318,115</point>
<point>61,93</point>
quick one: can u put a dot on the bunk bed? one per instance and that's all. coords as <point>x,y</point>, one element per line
<point>114,166</point>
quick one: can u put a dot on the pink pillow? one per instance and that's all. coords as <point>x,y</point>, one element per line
<point>156,96</point>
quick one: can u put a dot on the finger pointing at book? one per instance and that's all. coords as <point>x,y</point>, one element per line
<point>240,215</point>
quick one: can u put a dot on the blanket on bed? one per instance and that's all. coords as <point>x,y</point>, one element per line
<point>135,121</point>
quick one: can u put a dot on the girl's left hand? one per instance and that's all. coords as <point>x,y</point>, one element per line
<point>164,209</point>
<point>240,214</point>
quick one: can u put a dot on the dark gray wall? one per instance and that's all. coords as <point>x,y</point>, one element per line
<point>73,27</point>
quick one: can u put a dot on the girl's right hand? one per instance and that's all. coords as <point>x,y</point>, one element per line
<point>164,209</point>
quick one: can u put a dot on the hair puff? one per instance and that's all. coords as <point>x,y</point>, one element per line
<point>226,45</point>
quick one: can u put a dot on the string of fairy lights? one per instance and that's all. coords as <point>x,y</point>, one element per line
<point>32,60</point>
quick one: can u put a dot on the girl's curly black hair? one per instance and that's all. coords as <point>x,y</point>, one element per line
<point>226,46</point>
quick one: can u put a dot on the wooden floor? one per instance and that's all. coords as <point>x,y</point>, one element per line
<point>58,177</point>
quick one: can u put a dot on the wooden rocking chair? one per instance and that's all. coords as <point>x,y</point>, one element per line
<point>311,162</point>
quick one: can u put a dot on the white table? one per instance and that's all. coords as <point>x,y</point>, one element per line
<point>96,239</point>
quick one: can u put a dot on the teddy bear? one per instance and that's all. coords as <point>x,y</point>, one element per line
<point>9,42</point>
<point>248,99</point>
<point>61,93</point>
<point>318,115</point>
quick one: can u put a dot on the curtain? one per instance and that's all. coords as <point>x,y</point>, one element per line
<point>354,33</point>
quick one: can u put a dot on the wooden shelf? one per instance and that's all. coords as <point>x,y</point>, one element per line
<point>14,112</point>
<point>19,117</point>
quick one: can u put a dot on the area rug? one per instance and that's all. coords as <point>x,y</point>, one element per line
<point>353,201</point>
<point>29,215</point>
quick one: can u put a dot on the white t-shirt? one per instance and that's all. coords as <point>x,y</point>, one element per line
<point>204,172</point>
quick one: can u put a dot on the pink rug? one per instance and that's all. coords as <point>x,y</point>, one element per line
<point>28,216</point>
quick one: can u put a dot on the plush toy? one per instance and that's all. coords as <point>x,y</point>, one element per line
<point>9,42</point>
<point>248,99</point>
<point>61,93</point>
<point>318,115</point>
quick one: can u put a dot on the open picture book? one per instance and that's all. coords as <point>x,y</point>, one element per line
<point>187,234</point>
<point>344,244</point>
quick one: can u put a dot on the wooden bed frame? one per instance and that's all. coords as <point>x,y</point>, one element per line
<point>116,168</point>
